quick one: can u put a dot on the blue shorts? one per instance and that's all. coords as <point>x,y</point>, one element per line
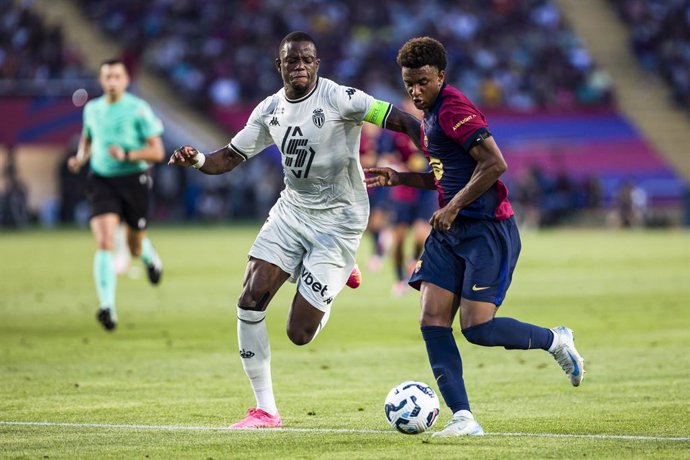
<point>474,259</point>
<point>409,212</point>
<point>427,204</point>
<point>378,198</point>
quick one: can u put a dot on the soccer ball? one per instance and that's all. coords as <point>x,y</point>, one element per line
<point>411,407</point>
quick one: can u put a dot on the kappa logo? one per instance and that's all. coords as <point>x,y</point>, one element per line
<point>274,122</point>
<point>309,280</point>
<point>318,117</point>
<point>246,354</point>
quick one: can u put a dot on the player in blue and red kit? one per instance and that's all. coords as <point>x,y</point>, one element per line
<point>470,255</point>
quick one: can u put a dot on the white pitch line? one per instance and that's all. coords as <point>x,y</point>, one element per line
<point>333,430</point>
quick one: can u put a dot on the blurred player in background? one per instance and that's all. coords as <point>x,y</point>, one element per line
<point>411,208</point>
<point>378,197</point>
<point>313,231</point>
<point>470,255</point>
<point>120,139</point>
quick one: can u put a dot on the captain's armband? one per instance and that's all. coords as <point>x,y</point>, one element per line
<point>378,112</point>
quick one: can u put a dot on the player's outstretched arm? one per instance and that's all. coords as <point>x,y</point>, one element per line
<point>222,160</point>
<point>404,122</point>
<point>387,177</point>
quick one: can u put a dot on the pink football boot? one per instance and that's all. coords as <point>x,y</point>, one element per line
<point>355,278</point>
<point>257,418</point>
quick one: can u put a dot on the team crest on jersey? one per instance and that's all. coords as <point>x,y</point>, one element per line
<point>426,141</point>
<point>318,117</point>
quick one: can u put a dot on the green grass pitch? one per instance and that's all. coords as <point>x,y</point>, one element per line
<point>166,382</point>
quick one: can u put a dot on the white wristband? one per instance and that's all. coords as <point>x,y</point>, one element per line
<point>199,160</point>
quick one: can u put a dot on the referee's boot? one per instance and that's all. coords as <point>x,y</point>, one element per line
<point>106,316</point>
<point>155,270</point>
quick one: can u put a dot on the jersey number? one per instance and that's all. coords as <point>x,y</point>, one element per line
<point>298,155</point>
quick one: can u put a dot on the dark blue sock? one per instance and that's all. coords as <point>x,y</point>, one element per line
<point>378,247</point>
<point>399,272</point>
<point>510,334</point>
<point>446,363</point>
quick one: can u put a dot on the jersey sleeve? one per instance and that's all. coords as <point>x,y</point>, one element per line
<point>149,124</point>
<point>254,137</point>
<point>356,105</point>
<point>463,123</point>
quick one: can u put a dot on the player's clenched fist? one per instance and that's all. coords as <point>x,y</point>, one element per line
<point>185,156</point>
<point>73,164</point>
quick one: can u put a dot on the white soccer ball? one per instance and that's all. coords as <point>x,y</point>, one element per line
<point>412,407</point>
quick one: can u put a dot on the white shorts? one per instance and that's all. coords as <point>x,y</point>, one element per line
<point>315,248</point>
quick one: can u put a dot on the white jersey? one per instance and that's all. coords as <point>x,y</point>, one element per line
<point>318,136</point>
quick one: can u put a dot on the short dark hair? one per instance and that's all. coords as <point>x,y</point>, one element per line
<point>297,36</point>
<point>113,61</point>
<point>421,51</point>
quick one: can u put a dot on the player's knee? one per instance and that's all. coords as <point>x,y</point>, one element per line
<point>105,243</point>
<point>299,335</point>
<point>481,334</point>
<point>254,299</point>
<point>435,318</point>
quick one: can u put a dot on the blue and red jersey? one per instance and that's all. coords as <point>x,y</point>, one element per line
<point>449,130</point>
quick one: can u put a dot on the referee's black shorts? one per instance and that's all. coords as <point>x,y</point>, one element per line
<point>127,196</point>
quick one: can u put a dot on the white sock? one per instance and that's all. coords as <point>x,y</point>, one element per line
<point>554,344</point>
<point>463,413</point>
<point>256,356</point>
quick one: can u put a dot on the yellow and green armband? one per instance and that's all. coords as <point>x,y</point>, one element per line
<point>378,112</point>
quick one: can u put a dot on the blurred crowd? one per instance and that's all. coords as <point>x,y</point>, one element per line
<point>517,54</point>
<point>660,38</point>
<point>506,54</point>
<point>32,53</point>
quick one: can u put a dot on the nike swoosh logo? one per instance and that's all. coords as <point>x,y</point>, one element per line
<point>476,288</point>
<point>576,371</point>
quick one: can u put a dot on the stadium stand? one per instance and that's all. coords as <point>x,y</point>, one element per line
<point>551,107</point>
<point>660,39</point>
<point>34,58</point>
<point>512,54</point>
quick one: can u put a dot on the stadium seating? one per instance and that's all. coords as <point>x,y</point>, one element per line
<point>660,38</point>
<point>547,102</point>
<point>34,60</point>
<point>519,55</point>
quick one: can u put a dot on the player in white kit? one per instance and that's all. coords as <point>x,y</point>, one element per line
<point>313,231</point>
